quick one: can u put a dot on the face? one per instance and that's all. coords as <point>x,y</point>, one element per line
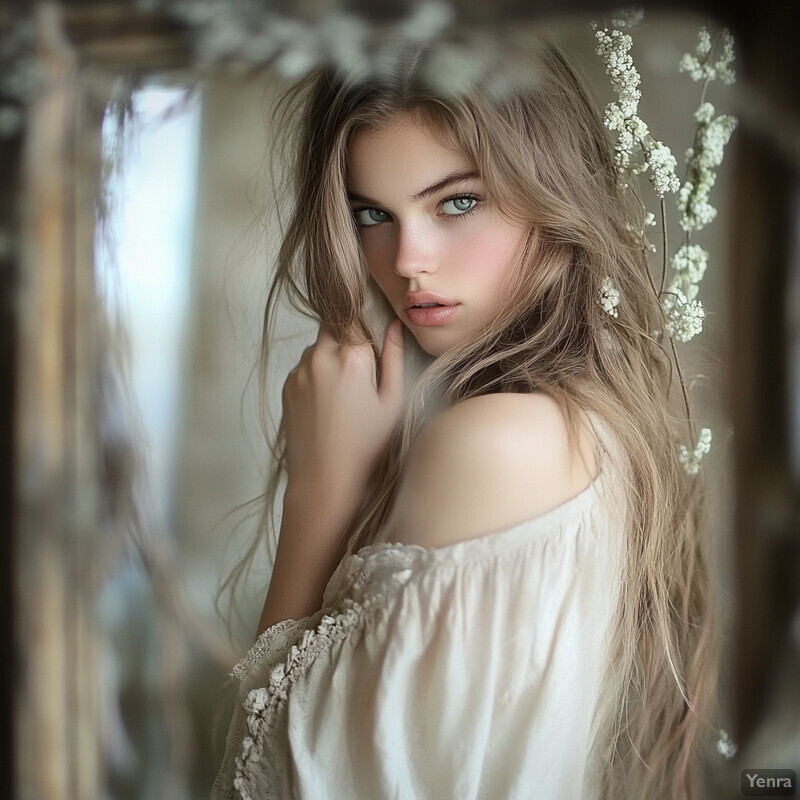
<point>430,232</point>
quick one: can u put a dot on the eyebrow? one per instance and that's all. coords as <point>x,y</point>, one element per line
<point>448,180</point>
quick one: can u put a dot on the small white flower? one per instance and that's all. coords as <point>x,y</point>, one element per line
<point>700,66</point>
<point>725,71</point>
<point>701,162</point>
<point>703,42</point>
<point>609,297</point>
<point>691,261</point>
<point>684,316</point>
<point>638,128</point>
<point>613,118</point>
<point>726,747</point>
<point>692,66</point>
<point>621,115</point>
<point>705,113</point>
<point>690,460</point>
<point>662,166</point>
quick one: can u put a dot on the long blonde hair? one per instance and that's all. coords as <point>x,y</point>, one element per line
<point>545,156</point>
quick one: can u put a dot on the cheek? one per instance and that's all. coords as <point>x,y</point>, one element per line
<point>490,256</point>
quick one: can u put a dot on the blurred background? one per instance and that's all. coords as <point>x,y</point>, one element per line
<point>180,229</point>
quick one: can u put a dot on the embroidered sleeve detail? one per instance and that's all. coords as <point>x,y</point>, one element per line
<point>262,703</point>
<point>274,639</point>
<point>375,570</point>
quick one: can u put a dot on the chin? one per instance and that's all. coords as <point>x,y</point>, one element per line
<point>433,348</point>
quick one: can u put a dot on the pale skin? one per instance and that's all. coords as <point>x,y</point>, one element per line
<point>427,223</point>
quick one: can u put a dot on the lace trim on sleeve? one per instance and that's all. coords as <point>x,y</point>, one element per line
<point>286,650</point>
<point>276,638</point>
<point>262,703</point>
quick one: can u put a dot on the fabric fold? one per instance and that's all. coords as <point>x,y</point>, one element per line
<point>472,670</point>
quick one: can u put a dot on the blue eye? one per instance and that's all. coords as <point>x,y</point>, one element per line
<point>459,205</point>
<point>370,216</point>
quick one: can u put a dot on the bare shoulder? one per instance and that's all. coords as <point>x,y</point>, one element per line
<point>488,463</point>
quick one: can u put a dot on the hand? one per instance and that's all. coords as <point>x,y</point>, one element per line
<point>338,420</point>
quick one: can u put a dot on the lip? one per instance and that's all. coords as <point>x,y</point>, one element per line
<point>411,299</point>
<point>435,315</point>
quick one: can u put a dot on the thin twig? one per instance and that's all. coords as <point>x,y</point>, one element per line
<point>685,392</point>
<point>664,252</point>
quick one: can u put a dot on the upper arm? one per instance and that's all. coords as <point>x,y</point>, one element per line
<point>485,464</point>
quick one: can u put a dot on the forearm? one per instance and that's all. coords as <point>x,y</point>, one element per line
<point>338,423</point>
<point>309,549</point>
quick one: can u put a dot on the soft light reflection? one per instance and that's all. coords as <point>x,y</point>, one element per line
<point>145,264</point>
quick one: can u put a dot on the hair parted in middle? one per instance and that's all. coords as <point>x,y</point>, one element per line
<point>544,155</point>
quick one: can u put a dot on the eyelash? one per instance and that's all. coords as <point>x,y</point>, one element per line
<point>476,207</point>
<point>472,210</point>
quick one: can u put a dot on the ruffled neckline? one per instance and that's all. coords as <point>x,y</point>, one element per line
<point>393,562</point>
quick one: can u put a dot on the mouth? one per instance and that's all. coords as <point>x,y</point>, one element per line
<point>426,299</point>
<point>426,314</point>
<point>424,308</point>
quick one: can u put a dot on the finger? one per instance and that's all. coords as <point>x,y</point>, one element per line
<point>391,361</point>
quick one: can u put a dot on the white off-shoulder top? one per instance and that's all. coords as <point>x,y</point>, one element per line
<point>473,671</point>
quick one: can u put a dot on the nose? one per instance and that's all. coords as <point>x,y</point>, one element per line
<point>416,250</point>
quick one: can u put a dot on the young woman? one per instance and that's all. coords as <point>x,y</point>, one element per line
<point>489,581</point>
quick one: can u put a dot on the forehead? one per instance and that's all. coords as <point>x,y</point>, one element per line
<point>405,152</point>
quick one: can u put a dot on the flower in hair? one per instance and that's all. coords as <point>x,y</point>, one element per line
<point>609,297</point>
<point>691,459</point>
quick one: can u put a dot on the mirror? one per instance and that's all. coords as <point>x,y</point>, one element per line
<point>147,236</point>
